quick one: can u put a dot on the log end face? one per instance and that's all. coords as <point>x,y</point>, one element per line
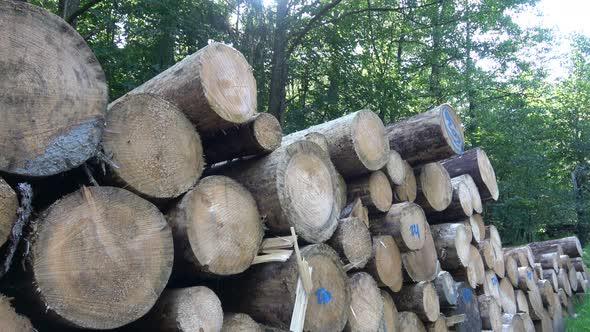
<point>388,262</point>
<point>238,322</point>
<point>356,242</point>
<point>380,191</point>
<point>8,210</point>
<point>366,306</point>
<point>395,168</point>
<point>368,137</point>
<point>409,321</point>
<point>436,186</point>
<point>390,319</point>
<point>413,226</point>
<point>452,129</point>
<point>197,309</point>
<point>267,131</point>
<point>407,191</point>
<point>487,174</point>
<point>465,199</point>
<point>11,321</point>
<point>430,302</point>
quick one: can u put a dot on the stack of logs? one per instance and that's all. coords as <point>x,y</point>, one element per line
<point>182,209</point>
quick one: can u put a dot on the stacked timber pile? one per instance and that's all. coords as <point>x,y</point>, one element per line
<point>178,207</point>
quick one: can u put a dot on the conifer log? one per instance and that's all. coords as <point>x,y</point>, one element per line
<point>10,320</point>
<point>420,298</point>
<point>476,262</point>
<point>478,228</point>
<point>352,241</point>
<point>140,129</point>
<point>475,162</point>
<point>405,222</point>
<point>526,279</point>
<point>499,267</point>
<point>217,229</point>
<point>469,229</point>
<point>446,289</point>
<point>579,264</point>
<point>511,267</point>
<point>294,186</point>
<point>557,315</point>
<point>366,305</point>
<point>563,281</point>
<point>422,264</point>
<point>468,305</point>
<point>546,292</point>
<point>563,297</point>
<point>459,208</point>
<point>54,93</point>
<point>529,326</point>
<point>452,245</point>
<point>543,325</point>
<point>373,189</point>
<point>118,239</point>
<point>440,325</point>
<point>581,283</point>
<point>493,235</point>
<point>491,313</point>
<point>409,321</point>
<point>266,292</point>
<point>507,297</point>
<point>545,249</point>
<point>8,210</point>
<point>512,323</point>
<point>524,254</point>
<point>536,310</point>
<point>214,87</point>
<point>467,275</point>
<point>356,142</point>
<point>428,136</point>
<point>521,301</point>
<point>406,192</point>
<point>434,188</point>
<point>341,192</point>
<point>236,322</point>
<point>571,246</point>
<point>395,169</point>
<point>390,315</point>
<point>183,310</point>
<point>475,197</point>
<point>385,263</point>
<point>259,135</point>
<point>551,276</point>
<point>571,273</point>
<point>315,137</point>
<point>549,261</point>
<point>566,262</point>
<point>491,285</point>
<point>487,253</point>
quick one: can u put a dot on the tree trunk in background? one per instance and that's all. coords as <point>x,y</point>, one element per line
<point>435,65</point>
<point>579,179</point>
<point>66,8</point>
<point>278,78</point>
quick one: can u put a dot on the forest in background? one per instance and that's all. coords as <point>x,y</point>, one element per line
<point>315,60</point>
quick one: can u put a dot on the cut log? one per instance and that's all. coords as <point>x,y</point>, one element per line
<point>294,186</point>
<point>536,310</point>
<point>566,263</point>
<point>475,162</point>
<point>469,230</point>
<point>446,289</point>
<point>526,279</point>
<point>395,169</point>
<point>546,291</point>
<point>478,228</point>
<point>434,190</point>
<point>581,283</point>
<point>499,267</point>
<point>558,321</point>
<point>366,307</point>
<point>563,297</point>
<point>551,276</point>
<point>512,323</point>
<point>217,229</point>
<point>467,275</point>
<point>234,322</point>
<point>352,241</point>
<point>53,97</point>
<point>429,136</point>
<point>493,235</point>
<point>409,321</point>
<point>374,191</point>
<point>266,292</point>
<point>579,264</point>
<point>545,249</point>
<point>341,193</point>
<point>529,326</point>
<point>420,298</point>
<point>10,320</point>
<point>214,87</point>
<point>406,223</point>
<point>459,208</point>
<point>521,301</point>
<point>356,142</point>
<point>468,305</point>
<point>259,135</point>
<point>452,245</point>
<point>385,263</point>
<point>543,325</point>
<point>184,310</point>
<point>475,197</point>
<point>476,263</point>
<point>491,286</point>
<point>491,313</point>
<point>390,316</point>
<point>507,297</point>
<point>140,129</point>
<point>524,253</point>
<point>422,264</point>
<point>549,261</point>
<point>563,281</point>
<point>407,191</point>
<point>571,273</point>
<point>8,209</point>
<point>487,253</point>
<point>317,138</point>
<point>511,267</point>
<point>440,325</point>
<point>571,246</point>
<point>118,239</point>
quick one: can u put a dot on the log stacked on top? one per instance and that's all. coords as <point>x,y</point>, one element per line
<point>389,217</point>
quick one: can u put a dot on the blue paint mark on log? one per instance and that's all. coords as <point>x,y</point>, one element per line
<point>466,295</point>
<point>529,275</point>
<point>457,142</point>
<point>323,296</point>
<point>415,230</point>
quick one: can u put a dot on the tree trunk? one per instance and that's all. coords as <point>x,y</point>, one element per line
<point>549,261</point>
<point>233,322</point>
<point>8,210</point>
<point>119,240</point>
<point>524,254</point>
<point>406,223</point>
<point>452,245</point>
<point>422,264</point>
<point>385,263</point>
<point>66,8</point>
<point>468,305</point>
<point>390,315</point>
<point>577,262</point>
<point>446,289</point>
<point>53,99</point>
<point>374,191</point>
<point>507,298</point>
<point>395,168</point>
<point>406,192</point>
<point>279,64</point>
<point>493,236</point>
<point>352,241</point>
<point>487,253</point>
<point>491,313</point>
<point>546,291</point>
<point>475,162</point>
<point>11,321</point>
<point>217,229</point>
<point>459,208</point>
<point>214,88</point>
<point>427,137</point>
<point>478,228</point>
<point>539,248</point>
<point>409,321</point>
<point>294,186</point>
<point>366,306</point>
<point>420,298</point>
<point>435,190</point>
<point>571,246</point>
<point>259,135</point>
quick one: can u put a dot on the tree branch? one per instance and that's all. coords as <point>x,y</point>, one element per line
<point>81,10</point>
<point>299,35</point>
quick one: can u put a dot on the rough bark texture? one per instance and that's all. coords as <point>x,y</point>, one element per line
<point>140,131</point>
<point>406,192</point>
<point>373,189</point>
<point>214,87</point>
<point>525,254</point>
<point>366,307</point>
<point>118,239</point>
<point>452,245</point>
<point>395,168</point>
<point>435,190</point>
<point>409,321</point>
<point>446,289</point>
<point>352,241</point>
<point>549,261</point>
<point>217,229</point>
<point>578,264</point>
<point>406,223</point>
<point>11,321</point>
<point>422,264</point>
<point>8,209</point>
<point>491,313</point>
<point>459,208</point>
<point>259,135</point>
<point>428,136</point>
<point>475,163</point>
<point>356,142</point>
<point>54,93</point>
<point>566,262</point>
<point>385,263</point>
<point>468,305</point>
<point>539,249</point>
<point>235,322</point>
<point>420,298</point>
<point>571,246</point>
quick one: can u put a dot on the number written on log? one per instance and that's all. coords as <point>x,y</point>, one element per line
<point>415,230</point>
<point>466,295</point>
<point>451,129</point>
<point>323,296</point>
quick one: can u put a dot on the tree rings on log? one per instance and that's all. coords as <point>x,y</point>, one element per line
<point>420,298</point>
<point>476,263</point>
<point>406,223</point>
<point>407,191</point>
<point>54,93</point>
<point>478,228</point>
<point>352,241</point>
<point>512,323</point>
<point>475,162</point>
<point>521,301</point>
<point>237,322</point>
<point>526,278</point>
<point>395,168</point>
<point>459,208</point>
<point>92,249</point>
<point>366,305</point>
<point>491,285</point>
<point>452,245</point>
<point>475,197</point>
<point>385,263</point>
<point>551,276</point>
<point>8,210</point>
<point>422,264</point>
<point>374,191</point>
<point>507,298</point>
<point>511,267</point>
<point>435,190</point>
<point>140,131</point>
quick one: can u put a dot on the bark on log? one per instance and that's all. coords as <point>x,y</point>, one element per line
<point>452,245</point>
<point>235,322</point>
<point>294,186</point>
<point>352,241</point>
<point>217,229</point>
<point>366,307</point>
<point>10,320</point>
<point>406,223</point>
<point>507,297</point>
<point>579,264</point>
<point>214,87</point>
<point>512,323</point>
<point>511,267</point>
<point>434,190</point>
<point>422,264</point>
<point>563,297</point>
<point>119,240</point>
<point>355,209</point>
<point>563,281</point>
<point>571,246</point>
<point>356,142</point>
<point>429,136</point>
<point>491,285</point>
<point>521,301</point>
<point>409,321</point>
<point>385,263</point>
<point>468,305</point>
<point>475,162</point>
<point>525,255</point>
<point>390,315</point>
<point>446,289</point>
<point>545,249</point>
<point>487,253</point>
<point>374,191</point>
<point>467,275</point>
<point>53,97</point>
<point>8,209</point>
<point>407,191</point>
<point>395,169</point>
<point>476,202</point>
<point>551,276</point>
<point>549,261</point>
<point>420,298</point>
<point>459,208</point>
<point>259,135</point>
<point>184,310</point>
<point>140,130</point>
<point>315,137</point>
<point>491,313</point>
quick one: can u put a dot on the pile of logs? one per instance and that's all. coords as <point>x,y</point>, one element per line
<point>178,207</point>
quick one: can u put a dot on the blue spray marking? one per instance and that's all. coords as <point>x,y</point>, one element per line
<point>323,296</point>
<point>457,142</point>
<point>529,275</point>
<point>384,326</point>
<point>495,282</point>
<point>466,295</point>
<point>415,230</point>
